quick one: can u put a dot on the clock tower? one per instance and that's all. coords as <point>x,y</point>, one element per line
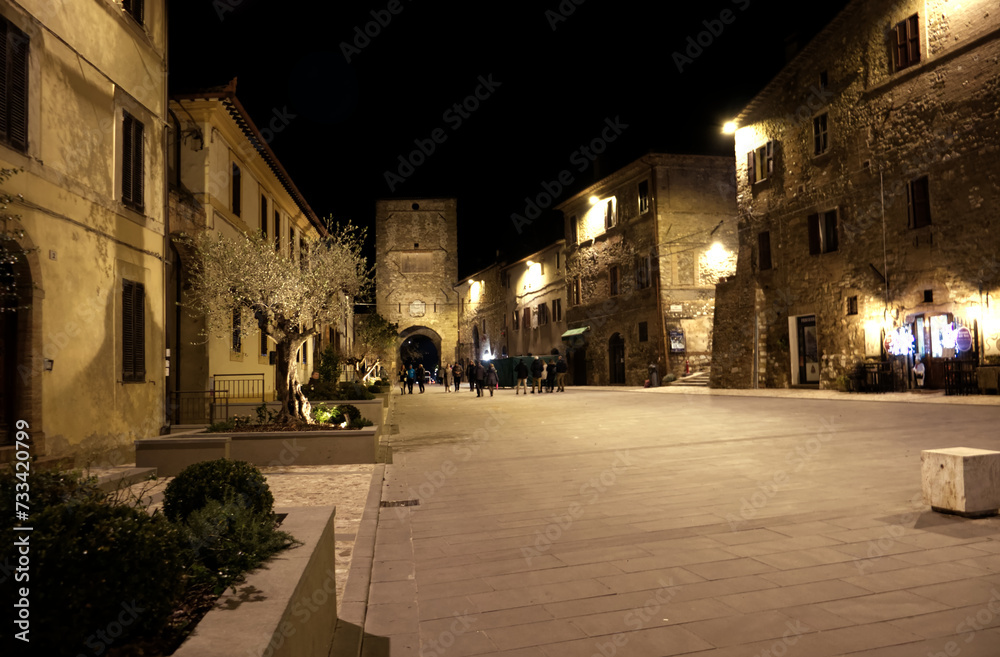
<point>416,269</point>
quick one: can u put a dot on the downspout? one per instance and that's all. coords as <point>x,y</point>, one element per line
<point>166,226</point>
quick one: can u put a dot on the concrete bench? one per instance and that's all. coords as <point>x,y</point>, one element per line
<point>962,481</point>
<point>171,455</point>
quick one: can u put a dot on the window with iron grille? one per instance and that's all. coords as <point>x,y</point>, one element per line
<point>821,134</point>
<point>134,8</point>
<point>918,203</point>
<point>237,330</point>
<point>132,162</point>
<point>823,232</point>
<point>133,332</point>
<point>906,38</point>
<point>764,250</point>
<point>237,182</point>
<point>13,87</point>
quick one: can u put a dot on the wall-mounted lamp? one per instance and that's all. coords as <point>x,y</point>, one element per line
<point>48,364</point>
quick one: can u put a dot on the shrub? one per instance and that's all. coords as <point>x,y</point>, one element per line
<point>669,377</point>
<point>227,539</point>
<point>320,390</point>
<point>327,414</point>
<point>213,480</point>
<point>353,390</point>
<point>359,423</point>
<point>350,410</point>
<point>95,566</point>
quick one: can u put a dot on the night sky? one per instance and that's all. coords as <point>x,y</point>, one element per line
<point>550,76</point>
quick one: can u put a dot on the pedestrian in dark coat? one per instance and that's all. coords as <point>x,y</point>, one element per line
<point>492,379</point>
<point>550,376</point>
<point>457,373</point>
<point>411,374</point>
<point>561,369</point>
<point>470,372</point>
<point>480,379</point>
<point>420,377</point>
<point>537,366</point>
<point>521,370</point>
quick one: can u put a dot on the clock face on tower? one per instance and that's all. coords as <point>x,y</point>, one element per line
<point>417,308</point>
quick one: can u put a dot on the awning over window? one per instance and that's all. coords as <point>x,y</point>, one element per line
<point>575,332</point>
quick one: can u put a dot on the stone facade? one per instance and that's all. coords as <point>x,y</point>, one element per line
<point>645,247</point>
<point>416,265</point>
<point>85,108</point>
<point>535,302</point>
<point>868,175</point>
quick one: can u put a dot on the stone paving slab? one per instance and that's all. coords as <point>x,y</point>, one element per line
<point>695,522</point>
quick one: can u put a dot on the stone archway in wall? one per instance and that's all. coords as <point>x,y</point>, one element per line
<point>22,361</point>
<point>419,344</point>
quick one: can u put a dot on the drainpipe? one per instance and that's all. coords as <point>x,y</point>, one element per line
<point>167,416</point>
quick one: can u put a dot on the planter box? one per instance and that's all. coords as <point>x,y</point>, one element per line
<point>339,447</point>
<point>287,608</point>
<point>961,480</point>
<point>171,455</point>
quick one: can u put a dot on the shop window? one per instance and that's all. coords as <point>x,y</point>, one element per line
<point>760,163</point>
<point>918,203</point>
<point>906,38</point>
<point>14,87</point>
<point>823,232</point>
<point>133,332</point>
<point>821,134</point>
<point>852,305</point>
<point>764,251</point>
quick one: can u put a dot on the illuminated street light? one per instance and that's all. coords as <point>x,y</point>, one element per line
<point>729,128</point>
<point>594,200</point>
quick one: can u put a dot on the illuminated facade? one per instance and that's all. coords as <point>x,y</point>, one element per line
<point>644,249</point>
<point>224,178</point>
<point>84,107</point>
<point>535,302</point>
<point>868,181</point>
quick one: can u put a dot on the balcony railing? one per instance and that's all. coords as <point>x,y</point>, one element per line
<point>241,387</point>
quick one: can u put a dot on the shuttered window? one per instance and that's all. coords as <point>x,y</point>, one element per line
<point>133,332</point>
<point>823,232</point>
<point>907,41</point>
<point>14,87</point>
<point>760,163</point>
<point>132,162</point>
<point>918,203</point>
<point>238,195</point>
<point>134,8</point>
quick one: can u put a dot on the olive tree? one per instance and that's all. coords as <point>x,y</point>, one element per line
<point>291,299</point>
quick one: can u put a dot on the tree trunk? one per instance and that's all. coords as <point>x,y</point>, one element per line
<point>294,405</point>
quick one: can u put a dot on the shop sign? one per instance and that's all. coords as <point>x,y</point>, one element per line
<point>963,339</point>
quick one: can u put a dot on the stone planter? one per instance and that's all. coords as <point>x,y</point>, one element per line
<point>287,608</point>
<point>171,455</point>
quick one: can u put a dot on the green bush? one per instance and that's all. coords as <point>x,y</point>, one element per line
<point>352,390</point>
<point>213,480</point>
<point>227,539</point>
<point>327,414</point>
<point>321,389</point>
<point>359,423</point>
<point>96,567</point>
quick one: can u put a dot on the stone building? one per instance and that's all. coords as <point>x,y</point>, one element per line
<point>224,178</point>
<point>81,324</point>
<point>482,332</point>
<point>416,268</point>
<point>868,179</point>
<point>535,302</point>
<point>644,249</point>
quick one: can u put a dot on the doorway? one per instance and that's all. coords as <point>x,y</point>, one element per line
<point>808,350</point>
<point>616,359</point>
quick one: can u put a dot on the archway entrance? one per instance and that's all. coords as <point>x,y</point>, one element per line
<point>616,359</point>
<point>419,344</point>
<point>15,315</point>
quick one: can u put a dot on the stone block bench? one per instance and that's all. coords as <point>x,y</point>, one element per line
<point>962,481</point>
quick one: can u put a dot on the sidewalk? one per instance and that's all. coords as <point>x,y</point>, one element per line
<point>717,524</point>
<point>921,397</point>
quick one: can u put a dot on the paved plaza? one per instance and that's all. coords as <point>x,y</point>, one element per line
<point>650,522</point>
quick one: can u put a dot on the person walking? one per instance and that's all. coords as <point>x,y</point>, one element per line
<point>411,374</point>
<point>470,371</point>
<point>480,378</point>
<point>521,370</point>
<point>402,380</point>
<point>537,367</point>
<point>446,377</point>
<point>492,378</point>
<point>421,374</point>
<point>561,368</point>
<point>456,373</point>
<point>550,376</point>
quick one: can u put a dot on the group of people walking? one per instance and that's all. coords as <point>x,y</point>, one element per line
<point>545,377</point>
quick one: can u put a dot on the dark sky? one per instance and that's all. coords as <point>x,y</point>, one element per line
<point>344,125</point>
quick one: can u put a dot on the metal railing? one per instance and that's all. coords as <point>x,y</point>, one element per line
<point>241,387</point>
<point>199,406</point>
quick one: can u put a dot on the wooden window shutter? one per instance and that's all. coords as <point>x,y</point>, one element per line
<point>814,243</point>
<point>5,36</point>
<point>238,193</point>
<point>133,332</point>
<point>138,191</point>
<point>139,336</point>
<point>830,241</point>
<point>913,39</point>
<point>770,157</point>
<point>132,161</point>
<point>751,171</point>
<point>17,96</point>
<point>902,51</point>
<point>127,156</point>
